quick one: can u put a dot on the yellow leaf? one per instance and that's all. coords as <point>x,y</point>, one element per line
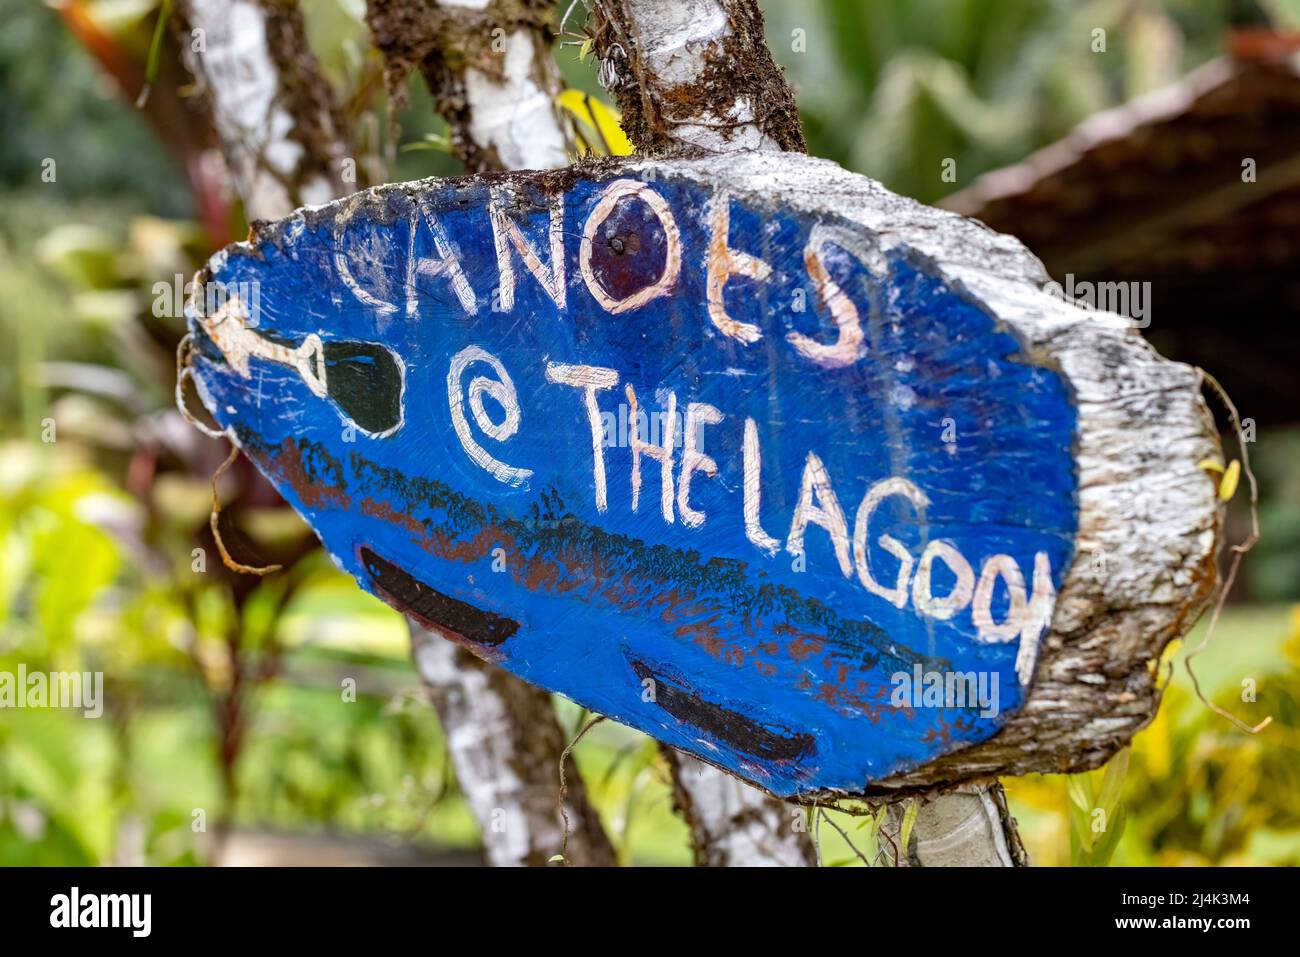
<point>602,131</point>
<point>1210,465</point>
<point>1164,668</point>
<point>1228,487</point>
<point>1155,745</point>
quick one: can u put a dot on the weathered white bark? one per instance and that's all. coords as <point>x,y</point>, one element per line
<point>512,110</point>
<point>270,103</point>
<point>505,744</point>
<point>502,733</point>
<point>734,825</point>
<point>967,828</point>
<point>694,75</point>
<point>488,65</point>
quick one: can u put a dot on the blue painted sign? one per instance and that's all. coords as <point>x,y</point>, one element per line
<point>725,472</point>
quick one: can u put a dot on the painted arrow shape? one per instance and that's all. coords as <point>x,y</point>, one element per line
<point>364,380</point>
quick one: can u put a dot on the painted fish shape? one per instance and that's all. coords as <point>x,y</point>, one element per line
<point>724,466</point>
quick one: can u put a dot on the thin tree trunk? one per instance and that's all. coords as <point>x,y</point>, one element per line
<point>273,109</point>
<point>969,827</point>
<point>283,143</point>
<point>696,76</point>
<point>490,71</point>
<point>734,825</point>
<point>492,77</point>
<point>505,743</point>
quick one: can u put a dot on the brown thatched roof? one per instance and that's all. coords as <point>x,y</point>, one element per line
<point>1153,191</point>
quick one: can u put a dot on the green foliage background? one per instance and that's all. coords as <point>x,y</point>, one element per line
<point>96,577</point>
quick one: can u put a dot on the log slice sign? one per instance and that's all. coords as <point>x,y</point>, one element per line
<point>787,471</point>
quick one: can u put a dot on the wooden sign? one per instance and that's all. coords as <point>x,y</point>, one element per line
<point>784,470</point>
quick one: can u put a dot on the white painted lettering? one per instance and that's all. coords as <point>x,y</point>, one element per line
<point>753,468</point>
<point>663,454</point>
<point>698,415</point>
<point>824,511</point>
<point>503,391</point>
<point>591,379</point>
<point>505,233</point>
<point>875,495</point>
<point>672,263</point>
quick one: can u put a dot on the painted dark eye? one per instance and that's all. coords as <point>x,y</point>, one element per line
<point>365,381</point>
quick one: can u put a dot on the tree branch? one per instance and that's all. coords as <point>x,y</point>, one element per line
<point>491,74</point>
<point>505,743</point>
<point>492,77</point>
<point>966,828</point>
<point>694,75</point>
<point>688,75</point>
<point>273,109</point>
<point>734,825</point>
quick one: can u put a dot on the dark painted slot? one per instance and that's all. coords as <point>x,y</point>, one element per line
<point>731,728</point>
<point>433,609</point>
